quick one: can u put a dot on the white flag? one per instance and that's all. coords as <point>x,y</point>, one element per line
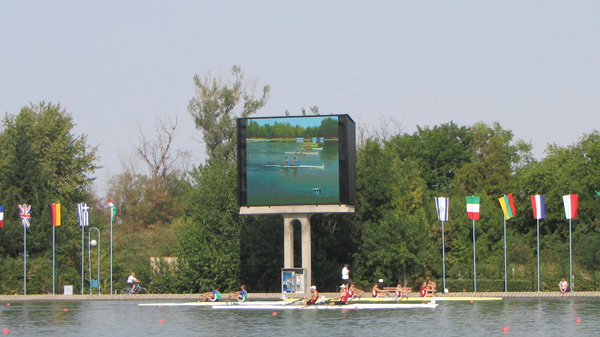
<point>441,205</point>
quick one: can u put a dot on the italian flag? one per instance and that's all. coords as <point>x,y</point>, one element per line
<point>113,210</point>
<point>473,208</point>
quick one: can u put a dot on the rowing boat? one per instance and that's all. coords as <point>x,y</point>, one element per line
<point>422,299</point>
<point>322,167</point>
<point>356,306</point>
<point>302,153</point>
<point>211,304</point>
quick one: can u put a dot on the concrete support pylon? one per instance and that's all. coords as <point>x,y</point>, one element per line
<point>288,243</point>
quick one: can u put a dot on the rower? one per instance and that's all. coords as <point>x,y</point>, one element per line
<point>423,290</point>
<point>344,296</point>
<point>399,291</point>
<point>376,290</point>
<point>242,295</point>
<point>353,290</point>
<point>314,297</point>
<point>213,296</point>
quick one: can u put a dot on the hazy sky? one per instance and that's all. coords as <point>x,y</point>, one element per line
<point>533,66</point>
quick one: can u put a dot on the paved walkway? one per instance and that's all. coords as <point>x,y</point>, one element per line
<point>274,296</point>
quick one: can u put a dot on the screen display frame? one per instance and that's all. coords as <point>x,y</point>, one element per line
<point>261,161</point>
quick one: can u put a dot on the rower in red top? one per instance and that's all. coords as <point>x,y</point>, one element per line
<point>352,291</point>
<point>344,296</point>
<point>375,290</point>
<point>314,297</point>
<point>423,289</point>
<point>399,291</point>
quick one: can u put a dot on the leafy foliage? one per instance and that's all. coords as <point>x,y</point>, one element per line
<point>217,105</point>
<point>42,163</point>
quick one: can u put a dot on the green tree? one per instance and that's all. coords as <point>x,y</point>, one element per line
<point>440,152</point>
<point>42,162</point>
<point>392,239</point>
<point>209,238</point>
<point>216,106</point>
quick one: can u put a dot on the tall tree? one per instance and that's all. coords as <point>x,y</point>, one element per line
<point>392,239</point>
<point>216,106</point>
<point>42,162</point>
<point>209,238</point>
<point>440,150</point>
<point>158,196</point>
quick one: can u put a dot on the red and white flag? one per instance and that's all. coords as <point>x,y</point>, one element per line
<point>570,202</point>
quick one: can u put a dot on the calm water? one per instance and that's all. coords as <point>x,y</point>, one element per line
<point>269,185</point>
<point>524,317</point>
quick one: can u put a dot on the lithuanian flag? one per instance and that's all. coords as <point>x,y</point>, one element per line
<point>508,206</point>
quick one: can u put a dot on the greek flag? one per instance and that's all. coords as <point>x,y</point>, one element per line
<point>83,213</point>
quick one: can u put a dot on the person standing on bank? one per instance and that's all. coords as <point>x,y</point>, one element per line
<point>346,276</point>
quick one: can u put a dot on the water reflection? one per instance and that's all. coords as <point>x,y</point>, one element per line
<point>524,317</point>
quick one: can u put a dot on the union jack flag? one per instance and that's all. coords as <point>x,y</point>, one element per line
<point>25,216</point>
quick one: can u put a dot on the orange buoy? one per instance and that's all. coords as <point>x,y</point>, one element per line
<point>577,320</point>
<point>505,329</point>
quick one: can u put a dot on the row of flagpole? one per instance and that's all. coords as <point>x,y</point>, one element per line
<point>84,221</point>
<point>509,211</point>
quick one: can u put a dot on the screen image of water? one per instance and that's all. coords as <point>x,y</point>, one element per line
<point>280,173</point>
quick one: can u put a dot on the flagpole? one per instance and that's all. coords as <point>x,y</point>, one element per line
<point>570,259</point>
<point>24,260</point>
<point>474,268</point>
<point>443,256</point>
<point>111,251</point>
<point>82,260</point>
<point>505,270</point>
<point>538,254</point>
<point>53,260</point>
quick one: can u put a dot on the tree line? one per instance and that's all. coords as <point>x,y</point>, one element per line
<point>187,221</point>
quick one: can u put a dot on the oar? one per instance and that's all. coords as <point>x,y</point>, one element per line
<point>292,302</point>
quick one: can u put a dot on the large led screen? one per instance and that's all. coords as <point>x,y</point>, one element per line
<point>294,160</point>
